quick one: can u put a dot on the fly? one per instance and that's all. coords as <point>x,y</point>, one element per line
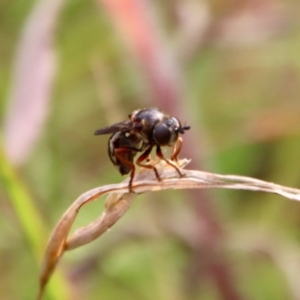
<point>141,132</point>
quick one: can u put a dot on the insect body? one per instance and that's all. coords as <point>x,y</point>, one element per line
<point>122,148</point>
<point>145,129</point>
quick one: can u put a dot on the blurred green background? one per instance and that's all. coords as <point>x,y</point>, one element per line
<point>239,67</point>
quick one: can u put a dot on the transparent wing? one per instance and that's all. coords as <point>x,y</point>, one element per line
<point>121,126</point>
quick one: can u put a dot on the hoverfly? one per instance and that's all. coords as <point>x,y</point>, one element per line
<point>146,128</point>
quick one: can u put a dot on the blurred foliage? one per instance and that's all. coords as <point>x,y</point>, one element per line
<point>245,99</point>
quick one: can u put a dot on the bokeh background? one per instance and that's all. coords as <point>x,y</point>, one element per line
<point>229,69</point>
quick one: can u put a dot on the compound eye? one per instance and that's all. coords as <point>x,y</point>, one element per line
<point>162,134</point>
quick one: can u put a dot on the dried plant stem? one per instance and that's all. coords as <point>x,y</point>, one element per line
<point>119,200</point>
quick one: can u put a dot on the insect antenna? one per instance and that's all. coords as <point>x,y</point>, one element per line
<point>182,129</point>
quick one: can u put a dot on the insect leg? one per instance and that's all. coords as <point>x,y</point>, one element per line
<point>169,162</point>
<point>177,149</point>
<point>119,154</point>
<point>145,156</point>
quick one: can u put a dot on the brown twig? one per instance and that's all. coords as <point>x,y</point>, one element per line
<point>119,200</point>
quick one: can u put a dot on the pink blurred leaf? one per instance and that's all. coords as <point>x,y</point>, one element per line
<point>136,23</point>
<point>32,81</point>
